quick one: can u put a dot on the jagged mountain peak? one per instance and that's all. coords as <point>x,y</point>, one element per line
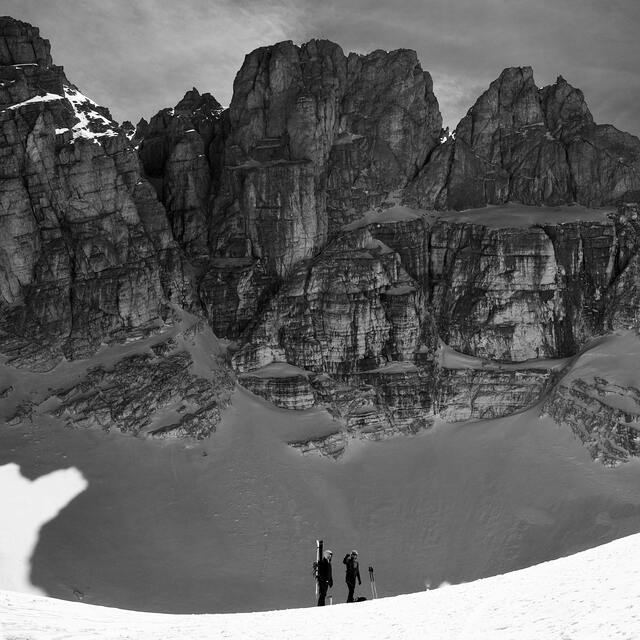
<point>129,129</point>
<point>141,129</point>
<point>510,102</point>
<point>287,54</point>
<point>535,146</point>
<point>522,74</point>
<point>32,85</point>
<point>193,101</point>
<point>513,100</point>
<point>190,97</point>
<point>565,108</point>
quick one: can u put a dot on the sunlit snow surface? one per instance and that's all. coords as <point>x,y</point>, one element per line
<point>591,595</point>
<point>25,506</point>
<point>47,97</point>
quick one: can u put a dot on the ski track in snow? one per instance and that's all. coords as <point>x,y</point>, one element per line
<point>591,595</point>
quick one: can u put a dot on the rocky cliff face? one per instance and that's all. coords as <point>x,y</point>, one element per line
<point>87,254</point>
<point>178,149</point>
<point>516,291</point>
<point>364,124</point>
<point>302,223</point>
<point>350,309</point>
<point>314,139</point>
<point>386,292</point>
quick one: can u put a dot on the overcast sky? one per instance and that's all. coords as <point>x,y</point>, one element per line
<point>137,56</point>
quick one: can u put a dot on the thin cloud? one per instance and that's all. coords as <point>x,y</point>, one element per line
<point>467,43</point>
<point>138,57</point>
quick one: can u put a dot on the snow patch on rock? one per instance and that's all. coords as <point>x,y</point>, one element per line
<point>47,97</point>
<point>92,123</point>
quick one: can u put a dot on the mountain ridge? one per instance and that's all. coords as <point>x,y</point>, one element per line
<point>251,218</point>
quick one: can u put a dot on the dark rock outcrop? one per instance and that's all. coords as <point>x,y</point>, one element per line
<point>178,150</point>
<point>352,308</point>
<point>171,384</point>
<point>284,386</point>
<point>599,399</point>
<point>21,44</point>
<point>472,394</point>
<point>609,432</point>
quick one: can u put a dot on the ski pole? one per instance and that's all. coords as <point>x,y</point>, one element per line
<point>374,591</point>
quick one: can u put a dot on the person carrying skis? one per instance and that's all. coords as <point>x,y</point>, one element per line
<point>325,579</point>
<point>353,572</point>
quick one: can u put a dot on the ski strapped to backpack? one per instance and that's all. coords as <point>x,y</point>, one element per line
<point>374,590</point>
<point>319,546</point>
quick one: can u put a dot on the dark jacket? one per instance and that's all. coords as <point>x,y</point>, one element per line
<point>353,569</point>
<point>324,571</point>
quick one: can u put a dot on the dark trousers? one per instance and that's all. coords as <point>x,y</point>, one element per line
<point>351,586</point>
<point>322,592</point>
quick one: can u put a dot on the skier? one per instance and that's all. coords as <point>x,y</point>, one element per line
<point>353,572</point>
<point>325,579</point>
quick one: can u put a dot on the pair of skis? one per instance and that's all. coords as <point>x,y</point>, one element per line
<point>319,549</point>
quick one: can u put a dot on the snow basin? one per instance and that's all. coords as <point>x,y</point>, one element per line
<point>178,526</point>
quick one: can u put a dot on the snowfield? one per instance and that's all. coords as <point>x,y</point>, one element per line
<point>591,595</point>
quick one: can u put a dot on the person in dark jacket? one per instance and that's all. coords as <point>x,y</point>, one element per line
<point>325,579</point>
<point>353,572</point>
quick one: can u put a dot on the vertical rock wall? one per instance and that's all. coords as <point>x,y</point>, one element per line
<point>315,138</point>
<point>86,254</point>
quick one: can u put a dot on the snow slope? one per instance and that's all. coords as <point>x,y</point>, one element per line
<point>163,527</point>
<point>593,594</point>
